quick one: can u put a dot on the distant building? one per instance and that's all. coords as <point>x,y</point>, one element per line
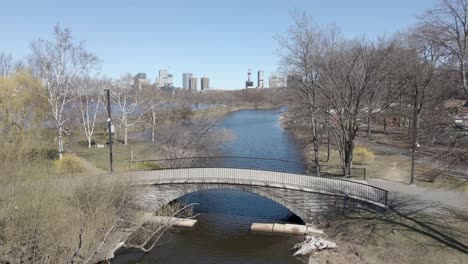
<point>260,78</point>
<point>249,82</point>
<point>186,80</point>
<point>139,81</point>
<point>162,78</point>
<point>276,82</point>
<point>165,80</point>
<point>204,83</point>
<point>170,80</point>
<point>193,84</point>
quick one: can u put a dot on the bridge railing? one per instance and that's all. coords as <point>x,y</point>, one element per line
<point>258,171</point>
<point>251,163</point>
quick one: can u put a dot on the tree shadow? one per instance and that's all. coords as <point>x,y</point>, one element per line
<point>427,224</point>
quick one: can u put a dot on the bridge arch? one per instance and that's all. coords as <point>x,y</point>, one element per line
<point>305,205</point>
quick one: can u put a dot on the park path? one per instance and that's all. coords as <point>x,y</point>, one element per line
<point>423,196</point>
<point>457,171</point>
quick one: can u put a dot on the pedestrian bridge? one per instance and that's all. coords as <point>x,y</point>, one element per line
<point>293,184</point>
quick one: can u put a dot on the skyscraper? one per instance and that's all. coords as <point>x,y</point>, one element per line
<point>162,78</point>
<point>248,83</point>
<point>260,79</point>
<point>186,80</point>
<point>193,84</point>
<point>165,79</point>
<point>205,83</point>
<point>170,80</point>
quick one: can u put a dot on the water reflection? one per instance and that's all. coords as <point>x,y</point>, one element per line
<point>222,234</point>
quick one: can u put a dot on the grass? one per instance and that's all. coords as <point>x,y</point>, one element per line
<point>388,167</point>
<point>99,157</point>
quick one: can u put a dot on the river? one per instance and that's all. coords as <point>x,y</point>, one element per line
<point>222,234</point>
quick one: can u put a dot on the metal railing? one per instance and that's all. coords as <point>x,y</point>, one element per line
<point>258,170</point>
<point>251,163</point>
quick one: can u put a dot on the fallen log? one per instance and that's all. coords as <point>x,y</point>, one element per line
<point>312,244</point>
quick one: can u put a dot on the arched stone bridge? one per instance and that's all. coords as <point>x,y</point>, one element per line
<point>303,194</point>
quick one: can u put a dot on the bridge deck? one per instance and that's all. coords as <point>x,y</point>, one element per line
<point>349,188</point>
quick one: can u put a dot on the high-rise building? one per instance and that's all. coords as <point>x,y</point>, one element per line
<point>193,84</point>
<point>186,80</point>
<point>140,80</point>
<point>170,80</point>
<point>260,79</point>
<point>162,78</point>
<point>276,82</point>
<point>204,83</point>
<point>166,80</point>
<point>248,83</point>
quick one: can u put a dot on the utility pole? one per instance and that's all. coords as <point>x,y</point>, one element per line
<point>109,127</point>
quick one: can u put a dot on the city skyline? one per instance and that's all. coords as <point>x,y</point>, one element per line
<point>122,35</point>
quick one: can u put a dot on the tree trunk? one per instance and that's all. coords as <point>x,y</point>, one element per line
<point>385,126</point>
<point>369,130</point>
<point>152,134</point>
<point>60,142</point>
<point>89,141</point>
<point>328,144</point>
<point>315,142</point>
<point>463,75</point>
<point>348,157</point>
<point>125,135</point>
<point>414,139</point>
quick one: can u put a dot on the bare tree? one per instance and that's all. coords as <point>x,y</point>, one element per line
<point>348,72</point>
<point>128,103</point>
<point>58,63</point>
<point>447,25</point>
<point>5,63</point>
<point>153,109</point>
<point>178,139</point>
<point>337,79</point>
<point>420,57</point>
<point>297,49</point>
<point>89,102</point>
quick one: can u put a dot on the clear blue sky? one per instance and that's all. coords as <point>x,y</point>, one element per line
<point>216,38</point>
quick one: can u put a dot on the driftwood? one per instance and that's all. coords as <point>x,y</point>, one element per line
<point>311,245</point>
<point>155,235</point>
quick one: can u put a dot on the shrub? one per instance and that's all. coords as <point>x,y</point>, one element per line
<point>69,164</point>
<point>363,155</point>
<point>51,154</point>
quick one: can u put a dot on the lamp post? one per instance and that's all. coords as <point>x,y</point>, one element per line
<point>109,127</point>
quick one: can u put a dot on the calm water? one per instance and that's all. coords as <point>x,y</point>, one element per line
<point>222,234</point>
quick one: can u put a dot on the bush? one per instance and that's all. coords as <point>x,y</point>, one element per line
<point>69,164</point>
<point>51,154</point>
<point>363,155</point>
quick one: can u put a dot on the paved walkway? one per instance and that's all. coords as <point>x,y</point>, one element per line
<point>423,196</point>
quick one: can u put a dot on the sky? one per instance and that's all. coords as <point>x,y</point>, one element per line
<point>214,38</point>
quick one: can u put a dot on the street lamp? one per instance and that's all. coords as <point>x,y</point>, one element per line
<point>109,127</point>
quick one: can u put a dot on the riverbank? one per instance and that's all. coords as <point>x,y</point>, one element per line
<point>393,166</point>
<point>139,149</point>
<point>398,234</point>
